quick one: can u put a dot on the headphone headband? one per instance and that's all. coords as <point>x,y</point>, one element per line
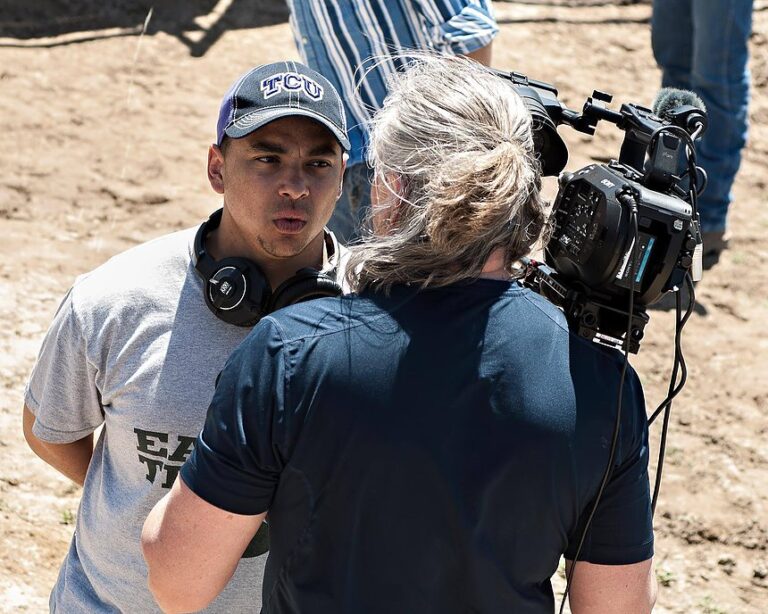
<point>204,264</point>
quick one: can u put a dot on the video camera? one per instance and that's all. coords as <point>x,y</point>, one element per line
<point>624,233</point>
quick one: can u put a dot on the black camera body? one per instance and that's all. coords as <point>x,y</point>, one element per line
<point>592,245</point>
<point>589,217</point>
<point>622,234</point>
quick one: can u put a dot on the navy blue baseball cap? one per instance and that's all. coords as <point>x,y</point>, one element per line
<point>271,91</point>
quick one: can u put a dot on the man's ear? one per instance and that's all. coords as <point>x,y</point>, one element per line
<point>216,168</point>
<point>344,158</point>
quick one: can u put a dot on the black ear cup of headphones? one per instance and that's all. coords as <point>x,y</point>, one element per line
<point>237,291</point>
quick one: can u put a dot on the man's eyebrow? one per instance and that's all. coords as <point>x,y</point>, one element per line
<point>325,149</point>
<point>268,147</point>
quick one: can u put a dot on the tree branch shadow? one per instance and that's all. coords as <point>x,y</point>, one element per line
<point>197,23</point>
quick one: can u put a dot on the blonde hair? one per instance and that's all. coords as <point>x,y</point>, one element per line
<point>457,141</point>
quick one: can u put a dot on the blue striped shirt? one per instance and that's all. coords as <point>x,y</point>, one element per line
<point>338,37</point>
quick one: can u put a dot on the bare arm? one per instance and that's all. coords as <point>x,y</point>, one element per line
<point>69,459</point>
<point>482,55</point>
<point>192,548</point>
<point>606,589</point>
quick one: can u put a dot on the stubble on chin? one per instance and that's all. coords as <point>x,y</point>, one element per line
<point>286,248</point>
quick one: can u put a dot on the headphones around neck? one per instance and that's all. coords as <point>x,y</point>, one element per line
<point>237,291</point>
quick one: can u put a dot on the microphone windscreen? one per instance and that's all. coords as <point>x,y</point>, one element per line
<point>670,98</point>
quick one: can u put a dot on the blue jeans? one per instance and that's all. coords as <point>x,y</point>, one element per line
<point>701,45</point>
<point>352,207</point>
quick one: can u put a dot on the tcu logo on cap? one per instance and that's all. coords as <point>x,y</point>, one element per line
<point>292,82</point>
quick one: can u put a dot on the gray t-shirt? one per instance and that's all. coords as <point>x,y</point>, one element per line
<point>133,347</point>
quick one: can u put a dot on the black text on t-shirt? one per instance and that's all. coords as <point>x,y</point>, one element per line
<point>161,459</point>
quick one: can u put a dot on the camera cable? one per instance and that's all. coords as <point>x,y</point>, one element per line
<point>666,404</point>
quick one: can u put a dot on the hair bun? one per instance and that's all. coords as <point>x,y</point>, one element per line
<point>461,141</point>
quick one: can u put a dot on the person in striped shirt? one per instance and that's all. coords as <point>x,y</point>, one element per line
<point>357,45</point>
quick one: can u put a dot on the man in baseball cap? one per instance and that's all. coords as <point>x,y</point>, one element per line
<point>137,344</point>
<point>278,162</point>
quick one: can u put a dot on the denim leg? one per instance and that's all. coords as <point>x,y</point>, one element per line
<point>719,74</point>
<point>672,41</point>
<point>353,205</point>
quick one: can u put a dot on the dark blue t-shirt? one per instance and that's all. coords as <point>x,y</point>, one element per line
<point>425,452</point>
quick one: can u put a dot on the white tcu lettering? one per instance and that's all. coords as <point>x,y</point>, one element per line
<point>292,82</point>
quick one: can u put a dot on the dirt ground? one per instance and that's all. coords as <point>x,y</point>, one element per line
<point>104,134</point>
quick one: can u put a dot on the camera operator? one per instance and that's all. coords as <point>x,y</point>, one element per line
<point>435,442</point>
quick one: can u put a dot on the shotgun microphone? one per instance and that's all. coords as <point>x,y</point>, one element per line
<point>681,108</point>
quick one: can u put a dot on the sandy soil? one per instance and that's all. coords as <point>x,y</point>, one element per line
<point>104,135</point>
